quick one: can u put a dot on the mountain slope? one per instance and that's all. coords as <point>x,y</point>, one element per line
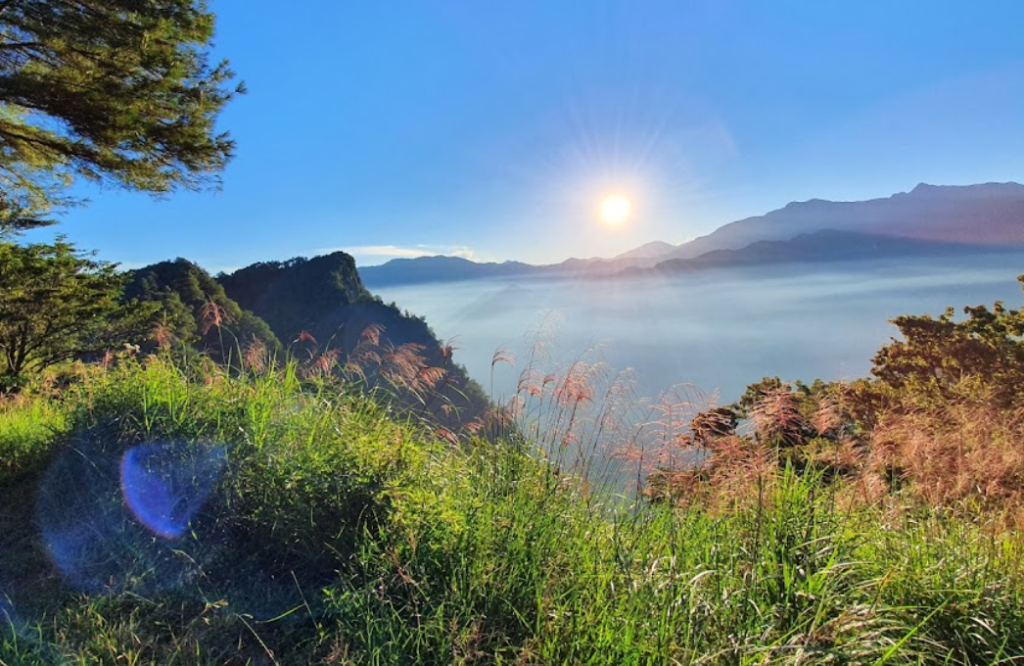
<point>299,294</point>
<point>320,307</point>
<point>652,250</point>
<point>825,246</point>
<point>987,214</point>
<point>195,308</point>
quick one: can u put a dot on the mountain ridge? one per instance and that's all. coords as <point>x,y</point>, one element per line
<point>822,246</point>
<point>927,212</point>
<point>316,308</point>
<point>970,217</point>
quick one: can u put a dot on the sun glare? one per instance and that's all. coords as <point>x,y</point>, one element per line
<point>615,210</point>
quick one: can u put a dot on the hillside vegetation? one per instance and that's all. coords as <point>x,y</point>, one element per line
<point>316,310</point>
<point>257,514</point>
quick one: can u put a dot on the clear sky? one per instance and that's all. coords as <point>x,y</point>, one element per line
<point>493,129</point>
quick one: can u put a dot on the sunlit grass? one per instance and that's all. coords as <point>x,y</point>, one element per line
<point>28,429</point>
<point>338,534</point>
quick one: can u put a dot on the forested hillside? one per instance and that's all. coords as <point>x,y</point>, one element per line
<point>316,310</point>
<point>194,310</point>
<point>321,309</point>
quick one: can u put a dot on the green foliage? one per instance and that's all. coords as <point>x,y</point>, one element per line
<point>115,91</point>
<point>29,429</point>
<point>339,536</point>
<point>308,472</point>
<point>939,357</point>
<point>538,575</point>
<point>957,583</point>
<point>194,309</point>
<point>56,304</point>
<point>320,307</point>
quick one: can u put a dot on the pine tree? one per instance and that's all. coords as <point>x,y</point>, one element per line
<point>115,91</point>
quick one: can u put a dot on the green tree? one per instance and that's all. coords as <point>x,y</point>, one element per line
<point>193,308</point>
<point>56,304</point>
<point>116,91</point>
<point>939,359</point>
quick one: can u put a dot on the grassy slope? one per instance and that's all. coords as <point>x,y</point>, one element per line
<point>335,535</point>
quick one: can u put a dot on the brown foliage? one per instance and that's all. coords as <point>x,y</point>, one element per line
<point>213,316</point>
<point>255,356</point>
<point>961,453</point>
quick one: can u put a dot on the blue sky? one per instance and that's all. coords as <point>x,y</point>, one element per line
<point>492,129</point>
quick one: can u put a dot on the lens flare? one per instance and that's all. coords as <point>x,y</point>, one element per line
<point>164,485</point>
<point>115,520</point>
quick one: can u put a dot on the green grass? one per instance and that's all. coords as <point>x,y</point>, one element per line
<point>28,431</point>
<point>337,534</point>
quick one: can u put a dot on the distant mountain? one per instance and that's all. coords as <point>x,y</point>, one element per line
<point>825,246</point>
<point>438,269</point>
<point>987,214</point>
<point>940,218</point>
<point>646,255</point>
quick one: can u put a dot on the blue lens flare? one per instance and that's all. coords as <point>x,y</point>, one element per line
<point>116,520</point>
<point>164,485</point>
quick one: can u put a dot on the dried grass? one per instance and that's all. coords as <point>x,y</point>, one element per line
<point>963,454</point>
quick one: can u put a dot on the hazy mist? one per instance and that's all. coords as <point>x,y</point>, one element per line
<point>716,330</point>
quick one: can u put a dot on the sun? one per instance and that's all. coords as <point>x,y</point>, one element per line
<point>615,210</point>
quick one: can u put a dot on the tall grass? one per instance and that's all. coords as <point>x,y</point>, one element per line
<point>339,535</point>
<point>28,430</point>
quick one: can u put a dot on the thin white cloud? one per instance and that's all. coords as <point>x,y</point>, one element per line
<point>462,251</point>
<point>391,251</point>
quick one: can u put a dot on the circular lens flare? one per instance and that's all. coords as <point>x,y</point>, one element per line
<point>115,520</point>
<point>615,210</point>
<point>164,486</point>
